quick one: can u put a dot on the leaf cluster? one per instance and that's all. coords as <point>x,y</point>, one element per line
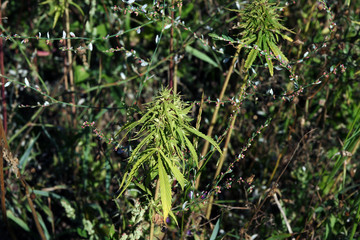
<point>259,22</point>
<point>164,133</point>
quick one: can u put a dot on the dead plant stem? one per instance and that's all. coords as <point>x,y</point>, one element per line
<point>214,117</point>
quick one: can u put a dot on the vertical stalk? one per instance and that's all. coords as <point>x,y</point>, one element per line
<point>3,144</point>
<point>2,79</point>
<point>69,55</point>
<point>225,150</point>
<point>152,226</point>
<point>171,64</point>
<point>214,117</point>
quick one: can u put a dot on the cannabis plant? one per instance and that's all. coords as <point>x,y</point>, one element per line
<point>259,23</point>
<point>163,133</point>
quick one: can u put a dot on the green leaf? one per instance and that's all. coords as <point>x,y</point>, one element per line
<point>18,221</point>
<point>140,145</point>
<point>190,146</point>
<point>80,74</point>
<point>175,171</point>
<point>276,51</point>
<point>165,189</point>
<point>77,6</point>
<point>57,15</point>
<point>25,157</point>
<point>216,230</point>
<point>201,56</point>
<point>112,231</point>
<point>250,58</point>
<point>128,177</point>
<point>207,138</point>
<point>268,57</point>
<point>253,53</point>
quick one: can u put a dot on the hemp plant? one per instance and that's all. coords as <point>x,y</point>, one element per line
<point>164,135</point>
<point>259,22</point>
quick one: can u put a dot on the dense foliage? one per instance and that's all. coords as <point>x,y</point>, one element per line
<point>177,119</point>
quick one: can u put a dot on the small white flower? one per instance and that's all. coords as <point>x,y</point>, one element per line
<point>46,103</point>
<point>90,46</point>
<point>270,91</point>
<point>138,31</point>
<point>72,34</point>
<point>143,8</point>
<point>64,34</point>
<point>39,34</point>
<point>122,75</point>
<point>27,82</point>
<point>167,26</point>
<point>7,84</point>
<point>305,54</point>
<point>157,39</point>
<point>144,63</point>
<point>48,35</point>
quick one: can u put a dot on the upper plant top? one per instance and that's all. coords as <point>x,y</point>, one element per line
<point>259,22</point>
<point>164,135</point>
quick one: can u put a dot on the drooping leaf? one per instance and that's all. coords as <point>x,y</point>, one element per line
<point>277,51</point>
<point>165,189</point>
<point>267,57</point>
<point>175,171</point>
<point>190,146</point>
<point>200,134</point>
<point>201,55</point>
<point>128,178</point>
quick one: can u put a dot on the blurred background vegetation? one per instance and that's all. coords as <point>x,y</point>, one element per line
<point>116,55</point>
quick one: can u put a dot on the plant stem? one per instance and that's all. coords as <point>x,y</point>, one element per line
<point>225,149</point>
<point>171,64</point>
<point>214,117</point>
<point>153,210</point>
<point>71,74</point>
<point>2,79</point>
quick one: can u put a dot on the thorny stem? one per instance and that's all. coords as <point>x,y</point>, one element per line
<point>214,117</point>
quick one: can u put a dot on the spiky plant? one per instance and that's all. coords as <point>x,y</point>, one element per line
<point>163,129</point>
<point>259,23</point>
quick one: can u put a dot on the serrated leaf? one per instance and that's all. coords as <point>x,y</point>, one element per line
<point>267,57</point>
<point>286,37</point>
<point>175,171</point>
<point>228,38</point>
<point>190,146</point>
<point>140,145</point>
<point>201,55</point>
<point>165,189</point>
<point>250,58</point>
<point>207,138</point>
<point>276,51</point>
<point>128,177</point>
<point>213,35</point>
